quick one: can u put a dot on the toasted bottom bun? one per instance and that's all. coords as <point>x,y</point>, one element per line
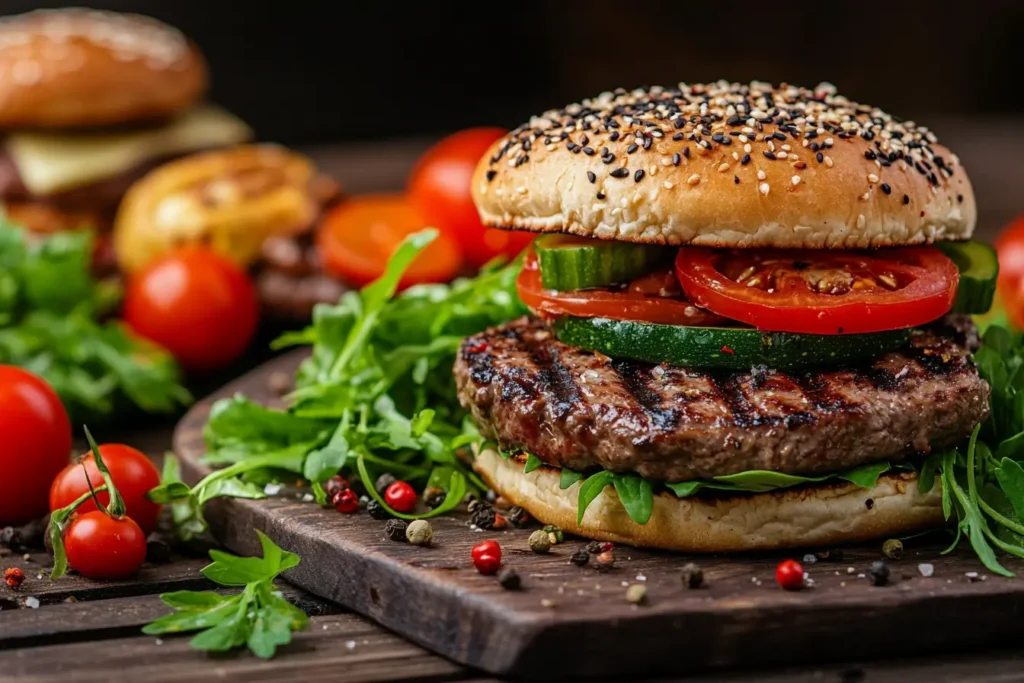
<point>813,516</point>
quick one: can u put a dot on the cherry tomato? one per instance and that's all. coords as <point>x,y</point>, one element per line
<point>400,497</point>
<point>345,501</point>
<point>643,300</point>
<point>35,444</point>
<point>101,547</point>
<point>1010,285</point>
<point>790,575</point>
<point>195,303</point>
<point>439,188</point>
<point>357,238</point>
<point>486,548</point>
<point>821,292</point>
<point>133,473</point>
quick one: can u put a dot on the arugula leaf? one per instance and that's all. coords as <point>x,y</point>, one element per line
<point>568,477</point>
<point>50,312</point>
<point>532,463</point>
<point>591,489</point>
<point>1011,481</point>
<point>258,616</point>
<point>636,495</point>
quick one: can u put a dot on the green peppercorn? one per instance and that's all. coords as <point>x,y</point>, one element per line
<point>893,548</point>
<point>556,534</point>
<point>419,532</point>
<point>637,593</point>
<point>540,542</point>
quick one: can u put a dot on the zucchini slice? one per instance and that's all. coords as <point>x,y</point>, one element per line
<point>979,269</point>
<point>733,348</point>
<point>568,263</point>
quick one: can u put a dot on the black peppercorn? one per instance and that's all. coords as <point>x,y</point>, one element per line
<point>475,504</point>
<point>509,579</point>
<point>692,575</point>
<point>377,511</point>
<point>482,515</point>
<point>383,482</point>
<point>518,517</point>
<point>878,573</point>
<point>395,530</point>
<point>594,547</point>
<point>436,500</point>
<point>580,558</point>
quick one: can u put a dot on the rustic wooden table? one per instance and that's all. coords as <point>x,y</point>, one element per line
<point>80,630</point>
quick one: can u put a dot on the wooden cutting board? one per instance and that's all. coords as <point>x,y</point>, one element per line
<point>568,620</point>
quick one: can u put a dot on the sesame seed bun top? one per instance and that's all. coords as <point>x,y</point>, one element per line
<point>727,164</point>
<point>77,67</point>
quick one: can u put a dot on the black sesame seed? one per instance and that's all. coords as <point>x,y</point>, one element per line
<point>736,179</point>
<point>815,146</point>
<point>589,151</point>
<point>591,176</point>
<point>600,195</point>
<point>632,148</point>
<point>745,160</point>
<point>648,142</point>
<point>718,137</point>
<point>870,155</point>
<point>780,136</point>
<point>490,175</point>
<point>638,176</point>
<point>620,172</point>
<point>572,147</point>
<point>906,199</point>
<point>584,140</point>
<point>686,152</point>
<point>676,159</point>
<point>886,189</point>
<point>614,136</point>
<point>734,121</point>
<point>678,136</point>
<point>608,158</point>
<point>820,157</point>
<point>770,155</point>
<point>959,199</point>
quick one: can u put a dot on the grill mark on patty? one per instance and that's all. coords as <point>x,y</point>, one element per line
<point>729,390</point>
<point>636,379</point>
<point>554,379</point>
<point>819,393</point>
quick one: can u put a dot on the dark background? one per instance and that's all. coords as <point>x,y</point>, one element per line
<point>306,71</point>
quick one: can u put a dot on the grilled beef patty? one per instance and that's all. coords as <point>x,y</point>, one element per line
<point>581,409</point>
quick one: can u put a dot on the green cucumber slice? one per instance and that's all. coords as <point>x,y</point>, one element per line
<point>733,348</point>
<point>568,263</point>
<point>979,268</point>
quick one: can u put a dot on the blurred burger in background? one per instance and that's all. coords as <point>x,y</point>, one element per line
<point>89,102</point>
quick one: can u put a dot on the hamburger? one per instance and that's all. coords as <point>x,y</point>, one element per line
<point>89,102</point>
<point>749,321</point>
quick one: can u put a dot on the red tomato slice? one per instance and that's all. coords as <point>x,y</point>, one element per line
<point>357,238</point>
<point>655,298</point>
<point>821,292</point>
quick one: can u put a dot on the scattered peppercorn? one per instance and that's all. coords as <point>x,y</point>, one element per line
<point>333,485</point>
<point>519,518</point>
<point>500,521</point>
<point>598,547</point>
<point>377,511</point>
<point>419,532</point>
<point>395,530</point>
<point>14,577</point>
<point>893,548</point>
<point>605,561</point>
<point>430,492</point>
<point>637,594</point>
<point>790,575</point>
<point>481,514</point>
<point>436,500</point>
<point>400,496</point>
<point>692,575</point>
<point>556,533</point>
<point>509,579</point>
<point>383,482</point>
<point>878,573</point>
<point>540,542</point>
<point>475,504</point>
<point>345,501</point>
<point>580,558</point>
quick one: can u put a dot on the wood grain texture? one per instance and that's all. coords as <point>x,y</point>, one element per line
<point>433,595</point>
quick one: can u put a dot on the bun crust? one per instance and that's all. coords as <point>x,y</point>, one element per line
<point>816,516</point>
<point>727,165</point>
<point>77,68</point>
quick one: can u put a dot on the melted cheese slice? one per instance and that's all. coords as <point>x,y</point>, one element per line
<point>53,162</point>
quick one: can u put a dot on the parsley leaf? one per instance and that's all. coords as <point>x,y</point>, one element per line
<point>50,312</point>
<point>258,617</point>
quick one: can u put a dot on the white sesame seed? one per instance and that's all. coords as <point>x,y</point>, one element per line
<point>747,148</point>
<point>668,184</point>
<point>761,175</point>
<point>764,188</point>
<point>829,142</point>
<point>781,155</point>
<point>723,167</point>
<point>796,180</point>
<point>865,196</point>
<point>693,180</point>
<point>521,189</point>
<point>872,178</point>
<point>828,161</point>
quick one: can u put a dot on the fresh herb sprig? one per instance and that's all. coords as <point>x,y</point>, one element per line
<point>983,481</point>
<point>50,313</point>
<point>259,617</point>
<point>376,395</point>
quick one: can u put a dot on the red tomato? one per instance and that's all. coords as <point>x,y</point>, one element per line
<point>643,300</point>
<point>35,444</point>
<point>101,547</point>
<point>133,474</point>
<point>821,292</point>
<point>440,188</point>
<point>1010,249</point>
<point>357,238</point>
<point>196,304</point>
